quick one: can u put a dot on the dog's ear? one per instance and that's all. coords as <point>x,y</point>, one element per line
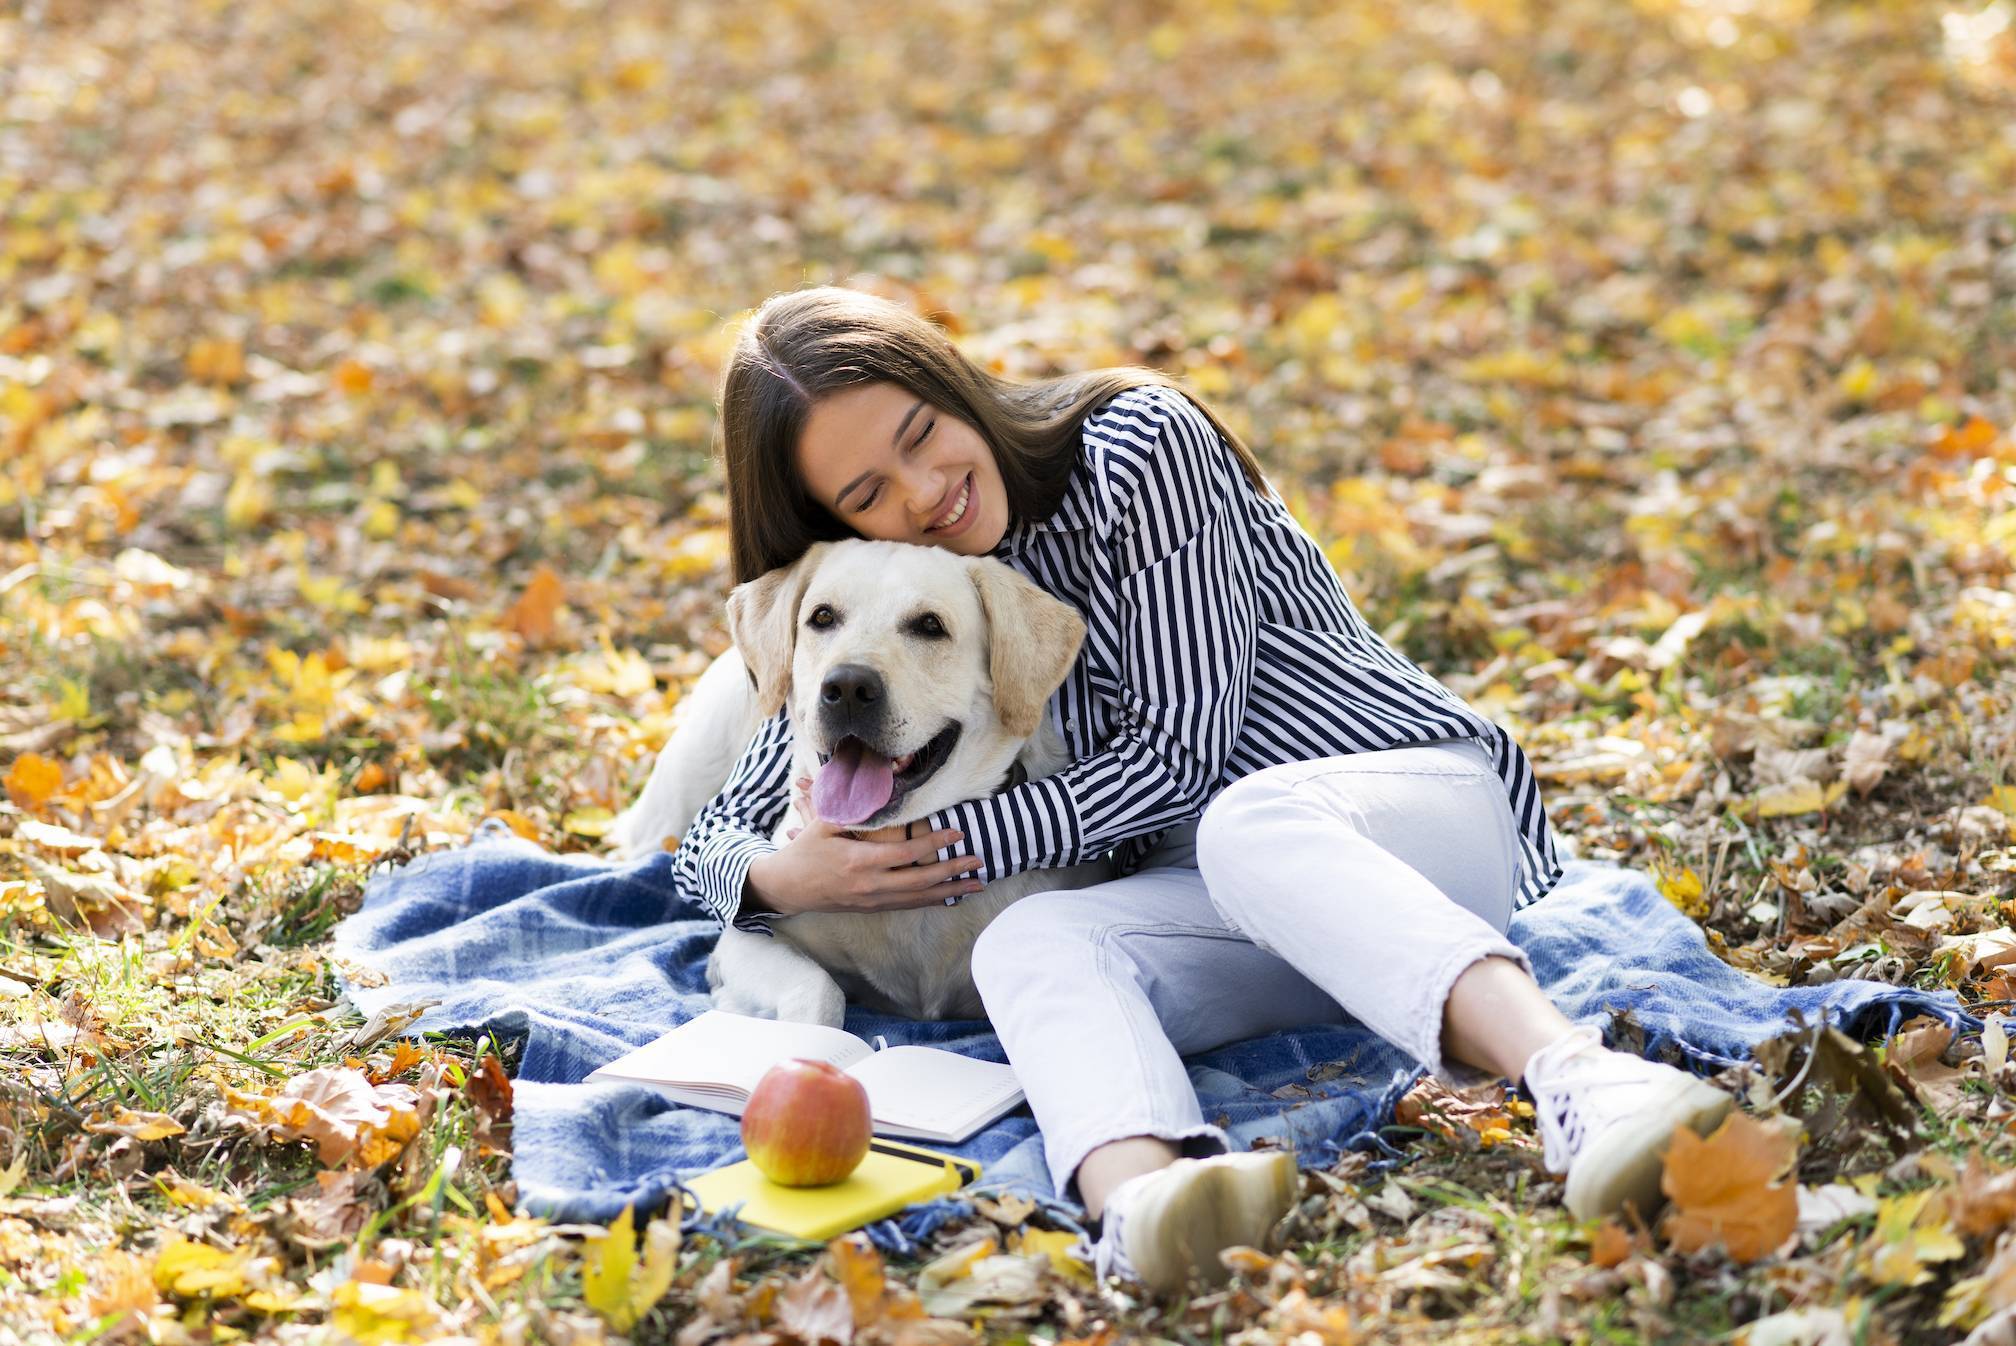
<point>1031,640</point>
<point>763,619</point>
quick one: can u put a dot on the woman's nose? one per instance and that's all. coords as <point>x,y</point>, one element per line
<point>925,492</point>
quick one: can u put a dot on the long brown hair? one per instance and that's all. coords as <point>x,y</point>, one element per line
<point>802,345</point>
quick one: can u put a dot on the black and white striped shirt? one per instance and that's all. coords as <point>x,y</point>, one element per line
<point>1218,641</point>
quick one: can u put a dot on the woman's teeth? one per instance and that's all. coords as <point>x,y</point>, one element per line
<point>959,511</point>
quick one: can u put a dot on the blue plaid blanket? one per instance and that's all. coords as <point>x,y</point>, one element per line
<point>586,960</point>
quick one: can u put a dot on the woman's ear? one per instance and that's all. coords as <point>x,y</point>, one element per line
<point>1032,640</point>
<point>763,620</point>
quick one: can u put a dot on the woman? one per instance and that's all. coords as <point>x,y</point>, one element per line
<point>1307,824</point>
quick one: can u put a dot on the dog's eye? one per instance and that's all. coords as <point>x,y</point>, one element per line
<point>822,617</point>
<point>928,625</point>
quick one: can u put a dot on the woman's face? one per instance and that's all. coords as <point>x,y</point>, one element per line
<point>895,468</point>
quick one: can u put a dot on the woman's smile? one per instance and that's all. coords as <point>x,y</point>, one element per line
<point>959,517</point>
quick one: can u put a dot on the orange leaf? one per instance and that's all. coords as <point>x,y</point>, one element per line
<point>352,376</point>
<point>1729,1189</point>
<point>1610,1246</point>
<point>32,779</point>
<point>859,1269</point>
<point>532,615</point>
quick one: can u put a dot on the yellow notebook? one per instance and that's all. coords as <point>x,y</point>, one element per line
<point>890,1176</point>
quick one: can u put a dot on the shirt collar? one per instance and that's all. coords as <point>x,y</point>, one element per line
<point>1073,512</point>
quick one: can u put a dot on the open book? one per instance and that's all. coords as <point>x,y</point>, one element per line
<point>713,1062</point>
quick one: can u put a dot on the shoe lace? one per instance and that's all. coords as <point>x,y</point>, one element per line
<point>1568,1079</point>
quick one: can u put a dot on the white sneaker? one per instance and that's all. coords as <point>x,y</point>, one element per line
<point>1159,1227</point>
<point>1606,1118</point>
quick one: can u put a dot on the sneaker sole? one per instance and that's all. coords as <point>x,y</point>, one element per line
<point>1628,1163</point>
<point>1233,1199</point>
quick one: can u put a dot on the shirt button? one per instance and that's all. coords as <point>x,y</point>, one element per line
<point>1071,725</point>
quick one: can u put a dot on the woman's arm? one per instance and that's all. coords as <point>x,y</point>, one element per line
<point>733,830</point>
<point>1177,606</point>
<point>727,861</point>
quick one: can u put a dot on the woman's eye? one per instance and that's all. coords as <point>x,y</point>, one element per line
<point>822,617</point>
<point>868,501</point>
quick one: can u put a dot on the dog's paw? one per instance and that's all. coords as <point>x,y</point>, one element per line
<point>756,1007</point>
<point>813,1005</point>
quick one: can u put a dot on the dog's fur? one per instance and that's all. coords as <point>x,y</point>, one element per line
<point>1007,646</point>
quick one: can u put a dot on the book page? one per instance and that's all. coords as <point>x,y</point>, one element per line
<point>731,1049</point>
<point>927,1091</point>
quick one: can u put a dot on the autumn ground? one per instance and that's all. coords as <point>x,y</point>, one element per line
<point>1645,367</point>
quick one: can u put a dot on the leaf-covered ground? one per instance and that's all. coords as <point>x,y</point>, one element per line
<point>1646,368</point>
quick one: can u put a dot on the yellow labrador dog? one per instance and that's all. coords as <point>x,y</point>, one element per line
<point>916,678</point>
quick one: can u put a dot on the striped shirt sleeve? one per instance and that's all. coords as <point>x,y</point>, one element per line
<point>733,831</point>
<point>1176,610</point>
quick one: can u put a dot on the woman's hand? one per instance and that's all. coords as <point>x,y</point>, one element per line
<point>824,866</point>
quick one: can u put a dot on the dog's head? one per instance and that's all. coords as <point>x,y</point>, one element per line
<point>912,672</point>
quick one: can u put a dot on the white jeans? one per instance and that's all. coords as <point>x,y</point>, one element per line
<point>1357,887</point>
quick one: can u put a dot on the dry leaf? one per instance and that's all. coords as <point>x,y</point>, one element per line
<point>618,1281</point>
<point>1911,1230</point>
<point>137,1125</point>
<point>1730,1189</point>
<point>813,1309</point>
<point>1866,761</point>
<point>32,779</point>
<point>533,615</point>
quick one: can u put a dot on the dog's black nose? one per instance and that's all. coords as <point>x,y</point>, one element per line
<point>851,687</point>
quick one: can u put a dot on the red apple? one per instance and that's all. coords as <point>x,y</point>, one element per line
<point>807,1124</point>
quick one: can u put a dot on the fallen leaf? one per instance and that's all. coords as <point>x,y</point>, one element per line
<point>620,1283</point>
<point>813,1309</point>
<point>376,1314</point>
<point>136,1125</point>
<point>1730,1189</point>
<point>1911,1230</point>
<point>533,615</point>
<point>32,779</point>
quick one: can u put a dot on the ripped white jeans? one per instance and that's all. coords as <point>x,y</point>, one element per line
<point>1359,886</point>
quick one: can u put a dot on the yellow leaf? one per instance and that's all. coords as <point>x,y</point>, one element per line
<point>73,700</point>
<point>617,672</point>
<point>618,1284</point>
<point>696,554</point>
<point>32,779</point>
<point>329,593</point>
<point>1054,1244</point>
<point>1858,381</point>
<point>248,501</point>
<point>291,779</point>
<point>1796,797</point>
<point>1683,890</point>
<point>138,1125</point>
<point>1911,1230</point>
<point>188,1269</point>
<point>381,520</point>
<point>375,1314</point>
<point>517,822</point>
<point>594,821</point>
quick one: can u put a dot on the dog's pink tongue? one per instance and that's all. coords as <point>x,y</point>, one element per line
<point>853,784</point>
